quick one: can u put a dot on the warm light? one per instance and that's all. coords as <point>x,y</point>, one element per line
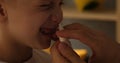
<point>81,52</point>
<point>81,4</point>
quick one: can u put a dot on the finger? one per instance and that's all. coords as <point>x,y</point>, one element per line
<point>56,56</point>
<point>81,35</point>
<point>68,53</point>
<point>76,26</point>
<point>73,26</point>
<point>65,34</point>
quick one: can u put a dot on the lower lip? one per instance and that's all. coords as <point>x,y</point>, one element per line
<point>52,37</point>
<point>48,36</point>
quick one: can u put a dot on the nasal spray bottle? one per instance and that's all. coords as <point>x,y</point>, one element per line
<point>64,40</point>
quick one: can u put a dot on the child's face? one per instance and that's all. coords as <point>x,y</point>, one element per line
<point>27,17</point>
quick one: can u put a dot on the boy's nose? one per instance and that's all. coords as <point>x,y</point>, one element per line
<point>57,15</point>
<point>56,18</point>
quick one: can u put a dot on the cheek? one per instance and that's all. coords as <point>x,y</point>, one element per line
<point>26,25</point>
<point>22,29</point>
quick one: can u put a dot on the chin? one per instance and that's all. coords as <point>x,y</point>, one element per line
<point>45,47</point>
<point>44,44</point>
<point>40,47</point>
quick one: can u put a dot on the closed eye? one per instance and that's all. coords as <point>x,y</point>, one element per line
<point>46,6</point>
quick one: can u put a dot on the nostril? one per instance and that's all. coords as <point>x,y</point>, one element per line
<point>54,18</point>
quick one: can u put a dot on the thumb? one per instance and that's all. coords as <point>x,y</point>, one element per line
<point>68,53</point>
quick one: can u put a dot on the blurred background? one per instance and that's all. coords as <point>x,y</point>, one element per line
<point>101,15</point>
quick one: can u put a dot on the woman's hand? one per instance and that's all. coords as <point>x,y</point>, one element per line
<point>62,53</point>
<point>104,49</point>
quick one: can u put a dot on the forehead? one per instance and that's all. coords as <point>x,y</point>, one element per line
<point>13,3</point>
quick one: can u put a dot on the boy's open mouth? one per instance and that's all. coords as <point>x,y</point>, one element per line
<point>50,32</point>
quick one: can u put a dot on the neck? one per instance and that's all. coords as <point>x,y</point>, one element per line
<point>14,53</point>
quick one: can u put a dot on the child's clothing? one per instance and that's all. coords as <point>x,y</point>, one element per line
<point>38,57</point>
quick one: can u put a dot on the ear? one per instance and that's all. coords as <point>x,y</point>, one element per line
<point>3,13</point>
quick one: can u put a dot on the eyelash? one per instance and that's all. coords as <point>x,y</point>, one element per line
<point>49,6</point>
